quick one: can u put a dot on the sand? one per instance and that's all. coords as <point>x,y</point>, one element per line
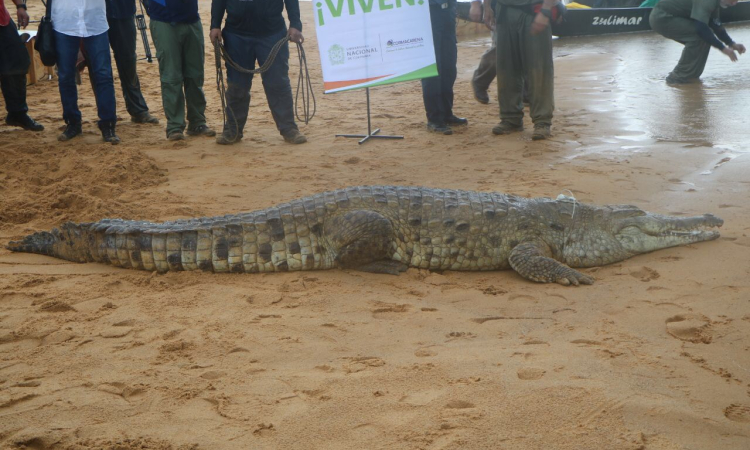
<point>654,355</point>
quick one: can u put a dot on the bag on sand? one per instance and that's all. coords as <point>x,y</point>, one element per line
<point>45,38</point>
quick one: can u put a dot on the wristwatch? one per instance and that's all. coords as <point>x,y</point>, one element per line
<point>546,13</point>
<point>21,5</point>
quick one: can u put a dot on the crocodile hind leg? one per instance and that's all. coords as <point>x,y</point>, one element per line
<point>364,241</point>
<point>532,261</point>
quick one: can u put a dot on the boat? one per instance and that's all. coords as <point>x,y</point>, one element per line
<point>610,20</point>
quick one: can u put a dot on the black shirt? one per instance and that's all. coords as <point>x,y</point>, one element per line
<point>255,17</point>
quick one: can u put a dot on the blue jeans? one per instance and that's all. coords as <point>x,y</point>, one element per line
<point>100,68</point>
<point>245,50</point>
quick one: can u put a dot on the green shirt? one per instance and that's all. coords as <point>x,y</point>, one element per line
<point>700,10</point>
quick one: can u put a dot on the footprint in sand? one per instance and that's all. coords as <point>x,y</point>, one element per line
<point>645,274</point>
<point>530,373</point>
<point>737,413</point>
<point>694,328</point>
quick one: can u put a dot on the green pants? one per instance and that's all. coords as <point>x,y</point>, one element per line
<point>523,56</point>
<point>179,49</point>
<point>694,55</point>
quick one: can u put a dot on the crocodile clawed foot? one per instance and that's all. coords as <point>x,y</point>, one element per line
<point>573,277</point>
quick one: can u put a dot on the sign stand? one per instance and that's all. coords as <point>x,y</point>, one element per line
<point>370,133</point>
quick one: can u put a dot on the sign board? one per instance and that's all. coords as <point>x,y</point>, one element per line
<point>366,43</point>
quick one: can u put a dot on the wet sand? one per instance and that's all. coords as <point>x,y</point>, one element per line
<point>655,355</point>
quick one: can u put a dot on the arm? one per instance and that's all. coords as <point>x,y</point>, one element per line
<point>295,24</point>
<point>489,15</point>
<point>475,12</point>
<point>722,34</point>
<point>542,19</point>
<point>218,7</point>
<point>21,13</point>
<point>707,34</point>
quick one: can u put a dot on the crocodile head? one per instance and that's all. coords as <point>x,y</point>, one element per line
<point>607,234</point>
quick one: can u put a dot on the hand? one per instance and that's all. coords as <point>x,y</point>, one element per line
<point>489,18</point>
<point>739,47</point>
<point>23,17</point>
<point>541,22</point>
<point>475,12</point>
<point>295,35</point>
<point>215,35</point>
<point>729,51</point>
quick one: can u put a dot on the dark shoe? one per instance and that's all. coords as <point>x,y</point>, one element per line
<point>71,130</point>
<point>108,134</point>
<point>201,130</point>
<point>439,128</point>
<point>226,139</point>
<point>453,120</point>
<point>505,127</point>
<point>541,132</point>
<point>144,117</point>
<point>294,136</point>
<point>175,136</point>
<point>480,94</point>
<point>671,79</point>
<point>24,121</point>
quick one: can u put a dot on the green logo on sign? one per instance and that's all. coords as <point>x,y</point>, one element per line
<point>336,54</point>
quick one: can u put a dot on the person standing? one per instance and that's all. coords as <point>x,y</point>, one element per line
<point>437,92</point>
<point>178,38</point>
<point>122,39</point>
<point>250,32</point>
<point>76,22</point>
<point>696,25</point>
<point>524,51</point>
<point>14,63</point>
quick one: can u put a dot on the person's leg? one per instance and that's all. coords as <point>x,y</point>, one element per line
<point>242,51</point>
<point>450,59</point>
<point>169,54</point>
<point>122,39</point>
<point>485,73</point>
<point>276,82</point>
<point>66,48</point>
<point>509,66</point>
<point>693,60</point>
<point>539,73</point>
<point>193,71</point>
<point>100,68</point>
<point>431,87</point>
<point>14,63</point>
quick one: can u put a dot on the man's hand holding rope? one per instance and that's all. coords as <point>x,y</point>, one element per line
<point>295,36</point>
<point>215,35</point>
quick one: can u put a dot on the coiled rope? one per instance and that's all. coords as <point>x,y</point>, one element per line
<point>304,85</point>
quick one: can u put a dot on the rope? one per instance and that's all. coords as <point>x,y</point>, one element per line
<point>303,82</point>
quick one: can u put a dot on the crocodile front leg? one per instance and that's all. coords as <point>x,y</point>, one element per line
<point>532,260</point>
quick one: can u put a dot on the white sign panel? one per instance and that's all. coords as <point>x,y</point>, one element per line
<point>365,43</point>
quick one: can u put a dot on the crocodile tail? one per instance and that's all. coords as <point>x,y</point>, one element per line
<point>71,242</point>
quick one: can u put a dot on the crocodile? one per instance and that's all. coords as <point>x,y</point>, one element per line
<point>385,229</point>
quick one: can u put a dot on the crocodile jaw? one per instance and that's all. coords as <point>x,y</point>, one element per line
<point>653,232</point>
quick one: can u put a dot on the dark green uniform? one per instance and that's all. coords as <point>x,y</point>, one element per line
<point>673,19</point>
<point>521,55</point>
